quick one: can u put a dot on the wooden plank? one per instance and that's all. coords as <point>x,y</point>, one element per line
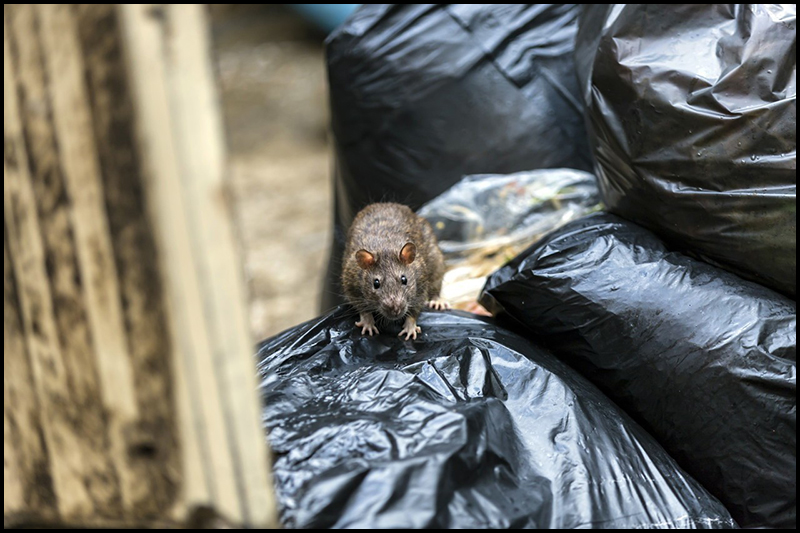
<point>114,441</point>
<point>196,109</point>
<point>152,442</point>
<point>68,467</point>
<point>78,158</point>
<point>143,28</point>
<point>26,470</point>
<point>182,143</point>
<point>130,388</point>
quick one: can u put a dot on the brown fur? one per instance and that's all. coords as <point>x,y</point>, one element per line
<point>382,230</point>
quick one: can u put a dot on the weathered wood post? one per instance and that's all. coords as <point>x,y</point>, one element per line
<point>129,384</point>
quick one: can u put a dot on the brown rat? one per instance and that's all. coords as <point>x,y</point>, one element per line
<point>392,266</point>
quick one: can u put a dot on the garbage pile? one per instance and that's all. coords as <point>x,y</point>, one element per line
<point>640,369</point>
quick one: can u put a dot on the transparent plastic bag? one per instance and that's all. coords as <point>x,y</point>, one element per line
<point>485,220</point>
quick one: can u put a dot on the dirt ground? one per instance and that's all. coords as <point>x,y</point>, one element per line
<point>272,81</point>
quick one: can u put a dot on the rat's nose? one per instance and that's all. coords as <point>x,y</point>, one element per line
<point>394,308</point>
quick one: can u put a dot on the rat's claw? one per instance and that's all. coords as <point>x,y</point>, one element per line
<point>367,328</point>
<point>410,328</point>
<point>439,304</point>
<point>367,325</point>
<point>411,332</point>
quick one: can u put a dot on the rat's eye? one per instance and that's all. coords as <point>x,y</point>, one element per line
<point>376,283</point>
<point>403,280</point>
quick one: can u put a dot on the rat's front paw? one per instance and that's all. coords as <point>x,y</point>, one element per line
<point>410,329</point>
<point>367,328</point>
<point>410,333</point>
<point>367,324</point>
<point>440,304</point>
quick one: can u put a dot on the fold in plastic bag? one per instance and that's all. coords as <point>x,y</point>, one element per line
<point>469,426</point>
<point>484,221</point>
<point>693,117</point>
<point>423,95</point>
<point>705,360</point>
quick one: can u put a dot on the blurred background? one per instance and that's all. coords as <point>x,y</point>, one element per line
<point>271,75</point>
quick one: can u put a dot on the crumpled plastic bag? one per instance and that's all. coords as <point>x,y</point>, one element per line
<point>704,360</point>
<point>484,221</point>
<point>692,112</point>
<point>469,426</point>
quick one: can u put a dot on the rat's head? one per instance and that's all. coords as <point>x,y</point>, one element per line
<point>390,278</point>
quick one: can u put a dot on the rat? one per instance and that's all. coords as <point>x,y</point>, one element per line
<point>392,266</point>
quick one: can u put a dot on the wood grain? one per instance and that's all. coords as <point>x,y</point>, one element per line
<point>129,383</point>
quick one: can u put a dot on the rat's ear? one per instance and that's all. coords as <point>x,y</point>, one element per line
<point>408,253</point>
<point>365,259</point>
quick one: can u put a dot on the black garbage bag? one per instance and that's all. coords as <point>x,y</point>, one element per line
<point>703,359</point>
<point>470,426</point>
<point>422,95</point>
<point>692,116</point>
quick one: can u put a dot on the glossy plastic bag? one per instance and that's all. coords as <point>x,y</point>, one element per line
<point>692,111</point>
<point>470,426</point>
<point>705,360</point>
<point>423,95</point>
<point>484,221</point>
